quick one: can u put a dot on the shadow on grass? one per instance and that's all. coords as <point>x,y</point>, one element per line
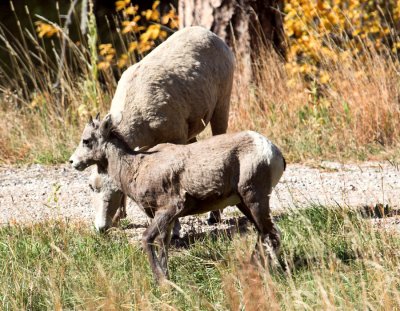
<point>228,228</point>
<point>231,227</point>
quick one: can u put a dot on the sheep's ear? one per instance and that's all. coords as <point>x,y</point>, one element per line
<point>106,126</point>
<point>90,121</point>
<point>98,116</point>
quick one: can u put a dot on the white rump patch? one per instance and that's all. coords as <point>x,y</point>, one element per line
<point>265,150</point>
<point>263,147</point>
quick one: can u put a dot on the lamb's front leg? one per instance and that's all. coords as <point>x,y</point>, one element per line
<point>161,225</point>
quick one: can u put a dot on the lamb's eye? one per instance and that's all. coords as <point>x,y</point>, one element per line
<point>86,142</point>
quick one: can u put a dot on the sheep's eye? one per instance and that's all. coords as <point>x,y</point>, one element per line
<point>86,142</point>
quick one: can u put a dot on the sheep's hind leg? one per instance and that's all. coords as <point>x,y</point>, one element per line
<point>215,217</point>
<point>160,226</point>
<point>163,241</point>
<point>258,212</point>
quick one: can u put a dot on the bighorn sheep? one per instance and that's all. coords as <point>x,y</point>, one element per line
<point>171,181</point>
<point>170,96</point>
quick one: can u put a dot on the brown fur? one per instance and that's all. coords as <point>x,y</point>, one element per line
<point>171,181</point>
<point>170,95</point>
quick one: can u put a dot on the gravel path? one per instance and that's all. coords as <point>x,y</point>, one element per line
<point>36,193</point>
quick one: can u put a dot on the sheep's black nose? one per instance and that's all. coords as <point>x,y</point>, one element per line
<point>71,161</point>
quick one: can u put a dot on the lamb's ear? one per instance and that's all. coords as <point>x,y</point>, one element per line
<point>98,116</point>
<point>90,121</point>
<point>106,126</point>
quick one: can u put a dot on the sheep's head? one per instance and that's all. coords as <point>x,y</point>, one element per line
<point>91,147</point>
<point>108,200</point>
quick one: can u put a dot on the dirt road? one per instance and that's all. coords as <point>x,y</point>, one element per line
<point>35,193</point>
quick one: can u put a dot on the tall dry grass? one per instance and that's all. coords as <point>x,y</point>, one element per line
<point>355,115</point>
<point>46,92</point>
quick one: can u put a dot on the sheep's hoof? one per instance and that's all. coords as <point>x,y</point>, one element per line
<point>215,217</point>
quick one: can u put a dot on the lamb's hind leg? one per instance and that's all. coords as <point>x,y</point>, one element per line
<point>163,241</point>
<point>256,208</point>
<point>160,225</point>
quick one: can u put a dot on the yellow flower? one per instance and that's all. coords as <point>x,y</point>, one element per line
<point>152,14</point>
<point>122,4</point>
<point>103,65</point>
<point>141,46</point>
<point>132,10</point>
<point>106,49</point>
<point>172,18</point>
<point>132,26</point>
<point>145,46</point>
<point>153,32</point>
<point>45,30</point>
<point>155,5</point>
<point>133,46</point>
<point>109,57</point>
<point>122,61</point>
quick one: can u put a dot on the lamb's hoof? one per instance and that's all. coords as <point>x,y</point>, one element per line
<point>215,217</point>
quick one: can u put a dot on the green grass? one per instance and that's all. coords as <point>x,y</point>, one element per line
<point>333,259</point>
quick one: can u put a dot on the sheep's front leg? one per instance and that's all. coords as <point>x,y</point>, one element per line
<point>121,211</point>
<point>160,226</point>
<point>176,230</point>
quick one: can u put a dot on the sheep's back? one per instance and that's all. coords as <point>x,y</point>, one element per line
<point>178,83</point>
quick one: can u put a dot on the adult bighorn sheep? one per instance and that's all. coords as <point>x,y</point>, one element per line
<point>171,181</point>
<point>170,96</point>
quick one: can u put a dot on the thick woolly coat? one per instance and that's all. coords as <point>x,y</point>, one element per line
<point>200,177</point>
<point>173,92</point>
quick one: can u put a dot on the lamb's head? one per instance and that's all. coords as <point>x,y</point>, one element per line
<point>91,148</point>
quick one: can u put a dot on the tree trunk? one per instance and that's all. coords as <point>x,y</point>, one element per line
<point>245,25</point>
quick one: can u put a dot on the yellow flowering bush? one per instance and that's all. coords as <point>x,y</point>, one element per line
<point>141,30</point>
<point>107,52</point>
<point>322,32</point>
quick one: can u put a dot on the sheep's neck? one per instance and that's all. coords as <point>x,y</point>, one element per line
<point>122,165</point>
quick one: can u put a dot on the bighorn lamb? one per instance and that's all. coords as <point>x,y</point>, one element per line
<point>170,96</point>
<point>171,181</point>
